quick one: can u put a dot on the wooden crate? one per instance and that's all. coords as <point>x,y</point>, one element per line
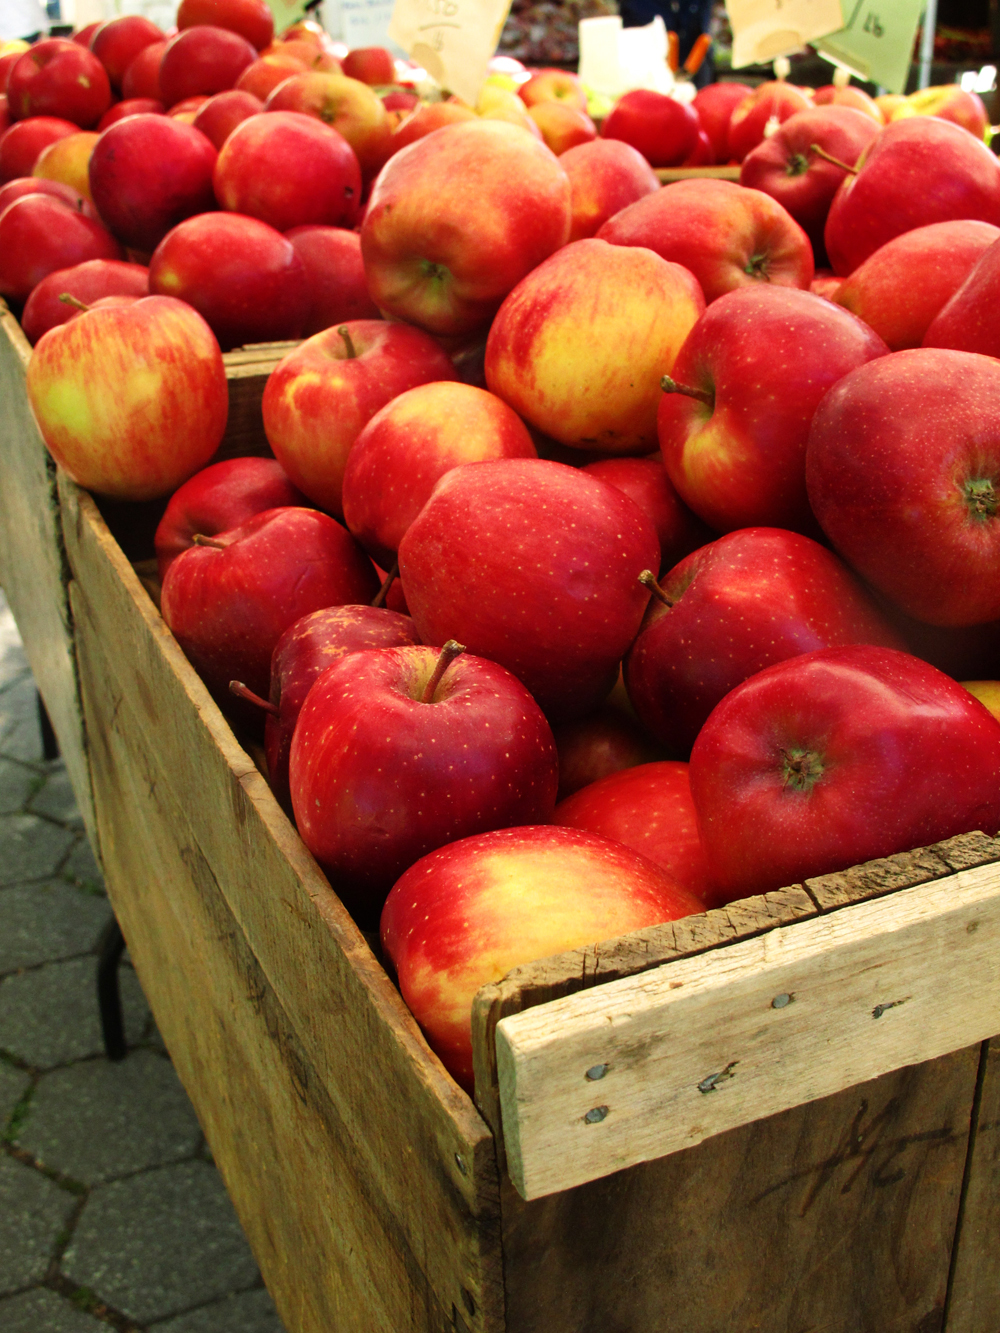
<point>834,1178</point>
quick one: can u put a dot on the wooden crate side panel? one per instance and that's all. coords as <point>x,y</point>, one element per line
<point>330,1250</point>
<point>422,1143</point>
<point>835,1217</point>
<point>32,562</point>
<point>974,1297</point>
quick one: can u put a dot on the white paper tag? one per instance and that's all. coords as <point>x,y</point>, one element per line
<point>764,29</point>
<point>454,40</point>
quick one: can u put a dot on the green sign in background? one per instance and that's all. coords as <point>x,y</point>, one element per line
<point>876,41</point>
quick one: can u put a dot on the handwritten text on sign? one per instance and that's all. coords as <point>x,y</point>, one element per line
<point>876,40</point>
<point>454,40</point>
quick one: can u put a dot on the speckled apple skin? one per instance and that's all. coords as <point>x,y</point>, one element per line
<point>379,778</point>
<point>465,915</point>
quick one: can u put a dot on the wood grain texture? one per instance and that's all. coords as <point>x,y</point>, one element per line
<point>974,1297</point>
<point>668,175</point>
<point>836,1217</point>
<point>246,375</point>
<point>33,571</point>
<point>420,1156</point>
<point>708,1043</point>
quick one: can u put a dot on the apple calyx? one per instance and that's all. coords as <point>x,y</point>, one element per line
<point>828,157</point>
<point>68,298</point>
<point>199,539</point>
<point>648,579</point>
<point>797,165</point>
<point>242,692</point>
<point>448,654</point>
<point>800,770</point>
<point>390,579</point>
<point>981,499</point>
<point>705,396</point>
<point>345,333</point>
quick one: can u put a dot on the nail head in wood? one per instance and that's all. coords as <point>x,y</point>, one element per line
<point>782,1001</point>
<point>595,1115</point>
<point>595,1072</point>
<point>460,1163</point>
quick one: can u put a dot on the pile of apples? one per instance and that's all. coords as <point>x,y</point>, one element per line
<point>610,565</point>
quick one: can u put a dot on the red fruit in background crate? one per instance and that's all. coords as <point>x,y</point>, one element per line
<point>62,79</point>
<point>88,282</point>
<point>605,176</point>
<point>970,320</point>
<point>203,60</point>
<point>662,129</point>
<point>142,78</point>
<point>117,43</point>
<point>252,19</point>
<point>714,106</point>
<point>39,234</point>
<point>838,757</point>
<point>400,750</point>
<point>767,104</point>
<point>23,143</point>
<point>219,116</point>
<point>371,64</point>
<point>465,915</point>
<point>336,275</point>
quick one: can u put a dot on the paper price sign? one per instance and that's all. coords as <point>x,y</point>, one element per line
<point>454,40</point>
<point>286,12</point>
<point>876,40</point>
<point>765,29</point>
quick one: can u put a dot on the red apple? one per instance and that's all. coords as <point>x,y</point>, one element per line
<point>837,757</point>
<point>348,105</point>
<point>305,650</point>
<point>335,270</point>
<point>371,64</point>
<point>662,129</point>
<point>714,105</point>
<point>768,105</point>
<point>745,601</point>
<point>7,63</point>
<point>593,314</point>
<point>701,155</point>
<point>320,396</point>
<point>289,170</point>
<point>950,102</point>
<point>83,35</point>
<point>400,100</point>
<point>262,77</point>
<point>240,274</point>
<point>61,79</point>
<point>465,915</point>
<point>849,96</point>
<point>733,428</point>
<point>727,235</point>
<point>203,60</point>
<point>553,85</point>
<point>534,565</point>
<point>788,167</point>
<point>22,185</point>
<point>970,320</point>
<point>445,238</point>
<point>602,742</point>
<point>649,809</point>
<point>130,399</point>
<point>900,289</point>
<point>220,115</point>
<point>645,481</point>
<point>142,78</point>
<point>219,498</point>
<point>252,19</point>
<point>881,202</point>
<point>901,467</point>
<point>68,161</point>
<point>825,283</point>
<point>148,173</point>
<point>187,110</point>
<point>22,144</point>
<point>562,126</point>
<point>409,445</point>
<point>135,106</point>
<point>308,54</point>
<point>605,176</point>
<point>6,120</point>
<point>391,759</point>
<point>88,282</point>
<point>424,119</point>
<point>229,599</point>
<point>117,43</point>
<point>39,234</point>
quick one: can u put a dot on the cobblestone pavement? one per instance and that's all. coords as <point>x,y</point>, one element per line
<point>111,1211</point>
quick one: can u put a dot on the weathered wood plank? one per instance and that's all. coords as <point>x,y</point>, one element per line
<point>419,1140</point>
<point>836,1217</point>
<point>715,1041</point>
<point>669,175</point>
<point>32,563</point>
<point>974,1297</point>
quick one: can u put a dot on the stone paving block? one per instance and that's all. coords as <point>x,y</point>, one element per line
<point>55,799</point>
<point>81,866</point>
<point>42,1311</point>
<point>247,1312</point>
<point>95,1121</point>
<point>33,1211</point>
<point>159,1243</point>
<point>13,1083</point>
<point>32,848</point>
<point>17,783</point>
<point>20,735</point>
<point>49,1016</point>
<point>44,922</point>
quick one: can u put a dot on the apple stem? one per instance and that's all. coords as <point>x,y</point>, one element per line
<point>346,335</point>
<point>648,579</point>
<point>448,654</point>
<point>68,299</point>
<point>242,692</point>
<point>827,157</point>
<point>671,386</point>
<point>199,539</point>
<point>390,579</point>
